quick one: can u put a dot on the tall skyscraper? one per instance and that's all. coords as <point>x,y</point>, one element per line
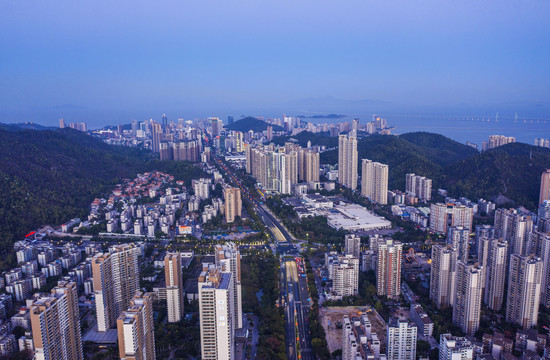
<point>217,125</point>
<point>55,324</point>
<point>174,286</point>
<point>347,160</point>
<point>116,279</point>
<point>524,287</point>
<point>543,218</point>
<point>164,122</point>
<point>388,268</point>
<point>270,133</point>
<point>459,238</point>
<point>308,165</point>
<point>495,268</point>
<point>233,203</point>
<point>345,280</point>
<point>443,275</point>
<point>228,258</point>
<point>352,245</point>
<point>61,123</point>
<point>216,315</point>
<point>544,186</point>
<point>544,254</point>
<point>135,326</point>
<point>468,296</point>
<point>230,120</point>
<point>418,186</point>
<point>156,136</point>
<point>444,215</point>
<point>514,227</point>
<point>374,181</point>
<point>401,340</point>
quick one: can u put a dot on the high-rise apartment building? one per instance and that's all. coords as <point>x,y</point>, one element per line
<point>308,165</point>
<point>388,268</point>
<point>544,186</point>
<point>228,259</point>
<point>216,315</point>
<point>468,296</point>
<point>418,186</point>
<point>61,123</point>
<point>275,169</point>
<point>524,288</point>
<point>543,216</point>
<point>514,227</point>
<point>496,141</point>
<point>352,245</point>
<point>459,238</point>
<point>233,203</point>
<point>347,160</point>
<point>444,215</point>
<point>156,136</point>
<point>174,286</point>
<point>443,275</point>
<point>455,348</point>
<point>346,276</point>
<point>495,269</point>
<point>401,340</point>
<point>374,181</point>
<point>55,322</point>
<point>544,254</point>
<point>217,126</point>
<point>135,326</point>
<point>116,279</point>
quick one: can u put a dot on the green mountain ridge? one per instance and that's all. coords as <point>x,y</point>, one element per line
<point>512,170</point>
<point>251,123</point>
<point>49,177</point>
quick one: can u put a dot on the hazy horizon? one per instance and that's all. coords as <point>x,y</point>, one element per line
<point>109,63</point>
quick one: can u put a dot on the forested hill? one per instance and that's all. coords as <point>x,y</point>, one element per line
<point>512,170</point>
<point>49,177</point>
<point>305,136</point>
<point>251,123</point>
<point>421,153</point>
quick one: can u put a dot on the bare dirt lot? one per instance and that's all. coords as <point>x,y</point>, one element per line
<point>336,314</point>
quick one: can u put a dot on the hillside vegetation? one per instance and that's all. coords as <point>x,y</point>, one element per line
<point>251,123</point>
<point>49,177</point>
<point>302,138</point>
<point>512,171</point>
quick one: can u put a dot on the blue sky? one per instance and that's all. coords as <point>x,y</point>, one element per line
<point>112,61</point>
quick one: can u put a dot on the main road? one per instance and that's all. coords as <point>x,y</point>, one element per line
<point>294,288</point>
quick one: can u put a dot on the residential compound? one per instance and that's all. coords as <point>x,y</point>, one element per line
<point>496,141</point>
<point>443,216</point>
<point>419,187</point>
<point>278,169</point>
<point>116,279</point>
<point>374,181</point>
<point>136,333</point>
<point>347,160</point>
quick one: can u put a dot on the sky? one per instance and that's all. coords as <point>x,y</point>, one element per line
<point>114,61</point>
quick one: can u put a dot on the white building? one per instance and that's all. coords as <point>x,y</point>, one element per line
<point>374,181</point>
<point>346,276</point>
<point>216,315</point>
<point>401,340</point>
<point>468,297</point>
<point>174,286</point>
<point>524,283</point>
<point>455,348</point>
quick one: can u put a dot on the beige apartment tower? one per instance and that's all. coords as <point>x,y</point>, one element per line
<point>468,297</point>
<point>228,259</point>
<point>116,279</point>
<point>174,286</point>
<point>524,289</point>
<point>443,275</point>
<point>374,181</point>
<point>388,268</point>
<point>216,315</point>
<point>233,203</point>
<point>135,326</point>
<point>544,186</point>
<point>55,322</point>
<point>347,160</point>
